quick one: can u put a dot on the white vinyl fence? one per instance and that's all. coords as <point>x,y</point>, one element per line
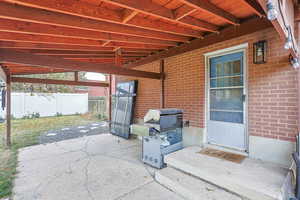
<point>24,104</point>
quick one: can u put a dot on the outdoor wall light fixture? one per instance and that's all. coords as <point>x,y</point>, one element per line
<point>271,11</point>
<point>260,52</point>
<point>294,62</point>
<point>288,43</point>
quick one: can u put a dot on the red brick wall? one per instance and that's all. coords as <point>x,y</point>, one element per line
<point>148,91</point>
<point>272,87</point>
<point>185,85</point>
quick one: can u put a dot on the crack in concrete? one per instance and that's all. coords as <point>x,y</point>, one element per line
<point>70,171</point>
<point>66,151</point>
<point>86,183</point>
<point>131,191</point>
<point>47,157</point>
<point>37,195</point>
<point>119,150</point>
<point>148,171</point>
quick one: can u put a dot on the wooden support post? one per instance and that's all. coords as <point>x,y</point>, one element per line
<point>297,32</point>
<point>76,76</point>
<point>162,84</point>
<point>298,101</point>
<point>118,57</point>
<point>8,109</point>
<point>109,99</point>
<point>118,62</point>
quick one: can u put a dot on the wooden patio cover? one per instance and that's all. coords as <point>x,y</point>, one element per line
<point>44,36</point>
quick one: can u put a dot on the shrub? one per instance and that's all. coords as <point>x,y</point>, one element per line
<point>36,115</point>
<point>58,114</point>
<point>26,117</point>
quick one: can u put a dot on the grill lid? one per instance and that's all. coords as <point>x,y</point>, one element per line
<point>155,114</point>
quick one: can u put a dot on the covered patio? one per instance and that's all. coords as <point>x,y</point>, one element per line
<point>231,66</point>
<point>94,167</point>
<point>112,37</point>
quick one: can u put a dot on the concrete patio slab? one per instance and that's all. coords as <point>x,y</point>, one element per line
<point>251,179</point>
<point>191,187</point>
<point>94,167</point>
<point>151,191</point>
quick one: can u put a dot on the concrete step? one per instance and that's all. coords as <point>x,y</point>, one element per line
<point>251,179</point>
<point>191,188</point>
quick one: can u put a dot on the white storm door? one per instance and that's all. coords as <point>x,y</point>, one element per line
<point>226,107</point>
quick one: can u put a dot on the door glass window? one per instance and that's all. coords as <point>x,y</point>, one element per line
<point>226,81</point>
<point>226,88</point>
<point>226,99</point>
<point>234,117</point>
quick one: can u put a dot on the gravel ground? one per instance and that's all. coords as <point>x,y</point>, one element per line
<point>74,132</point>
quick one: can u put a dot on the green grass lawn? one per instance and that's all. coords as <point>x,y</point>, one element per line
<point>25,132</point>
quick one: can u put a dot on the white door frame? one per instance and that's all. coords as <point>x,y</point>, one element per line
<point>234,49</point>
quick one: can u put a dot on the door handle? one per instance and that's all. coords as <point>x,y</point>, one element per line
<point>243,97</point>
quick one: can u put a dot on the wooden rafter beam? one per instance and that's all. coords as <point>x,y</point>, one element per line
<point>91,56</point>
<point>89,59</point>
<point>247,27</point>
<point>57,82</point>
<point>74,52</point>
<point>16,26</point>
<point>74,7</point>
<point>27,72</point>
<point>34,72</point>
<point>150,8</point>
<point>255,7</point>
<point>166,27</point>
<point>106,43</point>
<point>30,72</point>
<point>77,53</point>
<point>183,11</point>
<point>97,60</point>
<point>194,22</point>
<point>128,15</point>
<point>41,47</point>
<point>206,6</point>
<point>138,50</point>
<point>88,19</point>
<point>139,46</point>
<point>44,39</point>
<point>32,45</point>
<point>145,7</point>
<point>8,56</point>
<point>20,69</point>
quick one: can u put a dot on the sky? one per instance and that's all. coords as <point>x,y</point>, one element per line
<point>95,76</point>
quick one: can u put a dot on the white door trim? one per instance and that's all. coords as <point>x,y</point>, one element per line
<point>226,50</point>
<point>234,49</point>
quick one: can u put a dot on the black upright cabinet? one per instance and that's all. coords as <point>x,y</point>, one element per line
<point>123,108</point>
